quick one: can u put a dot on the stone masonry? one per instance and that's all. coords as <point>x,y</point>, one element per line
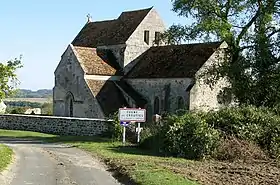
<point>123,63</point>
<point>54,125</point>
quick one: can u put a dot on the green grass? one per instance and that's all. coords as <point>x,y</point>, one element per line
<point>25,134</point>
<point>140,166</point>
<point>5,156</point>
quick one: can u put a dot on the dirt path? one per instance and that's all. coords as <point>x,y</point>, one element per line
<point>52,164</point>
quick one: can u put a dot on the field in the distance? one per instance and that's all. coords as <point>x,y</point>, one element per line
<point>39,100</point>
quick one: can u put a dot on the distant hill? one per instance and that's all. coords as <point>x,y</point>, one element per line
<point>26,93</point>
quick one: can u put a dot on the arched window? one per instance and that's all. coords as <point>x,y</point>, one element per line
<point>78,84</point>
<point>71,108</point>
<point>180,102</point>
<point>69,105</point>
<point>156,105</point>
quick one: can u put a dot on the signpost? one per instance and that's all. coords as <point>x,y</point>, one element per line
<point>127,115</point>
<point>124,124</point>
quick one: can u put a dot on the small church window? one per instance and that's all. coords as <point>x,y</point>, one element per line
<point>66,80</point>
<point>57,78</point>
<point>78,83</point>
<point>146,36</point>
<point>156,106</point>
<point>157,37</point>
<point>180,102</point>
<point>71,108</point>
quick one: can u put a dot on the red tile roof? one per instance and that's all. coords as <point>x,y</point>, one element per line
<point>172,61</point>
<point>110,32</point>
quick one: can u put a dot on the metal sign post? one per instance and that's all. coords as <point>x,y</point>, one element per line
<point>124,124</point>
<point>123,135</point>
<point>129,115</point>
<point>138,132</point>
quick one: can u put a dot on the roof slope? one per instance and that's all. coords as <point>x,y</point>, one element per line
<point>92,63</point>
<point>110,32</point>
<point>172,61</point>
<point>137,97</point>
<point>108,95</point>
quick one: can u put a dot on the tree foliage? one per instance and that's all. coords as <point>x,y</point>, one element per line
<point>8,78</point>
<point>251,29</point>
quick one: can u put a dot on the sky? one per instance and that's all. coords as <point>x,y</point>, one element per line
<point>40,31</point>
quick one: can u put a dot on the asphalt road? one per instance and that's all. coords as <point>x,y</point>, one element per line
<point>52,164</point>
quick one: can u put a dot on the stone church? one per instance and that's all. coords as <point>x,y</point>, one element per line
<point>122,63</point>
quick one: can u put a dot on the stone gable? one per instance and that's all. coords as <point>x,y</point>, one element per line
<point>119,63</point>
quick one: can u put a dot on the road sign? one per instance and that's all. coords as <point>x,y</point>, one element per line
<point>132,114</point>
<point>124,123</point>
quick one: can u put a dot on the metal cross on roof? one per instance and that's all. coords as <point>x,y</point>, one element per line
<point>89,18</point>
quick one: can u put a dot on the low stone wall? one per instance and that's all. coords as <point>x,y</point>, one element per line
<point>54,125</point>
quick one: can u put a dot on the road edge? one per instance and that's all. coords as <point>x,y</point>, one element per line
<point>8,174</point>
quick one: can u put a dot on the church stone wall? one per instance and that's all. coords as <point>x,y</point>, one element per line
<point>69,79</point>
<point>55,125</point>
<point>136,45</point>
<point>202,96</point>
<point>167,90</point>
<point>118,51</point>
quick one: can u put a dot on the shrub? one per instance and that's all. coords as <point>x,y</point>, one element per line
<point>190,136</point>
<point>196,135</point>
<point>16,110</point>
<point>259,125</point>
<point>186,136</point>
<point>115,130</point>
<point>152,138</point>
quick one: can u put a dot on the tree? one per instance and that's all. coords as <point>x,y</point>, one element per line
<point>8,78</point>
<point>250,28</point>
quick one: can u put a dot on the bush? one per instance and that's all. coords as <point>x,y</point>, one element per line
<point>186,136</point>
<point>258,125</point>
<point>196,135</point>
<point>115,130</point>
<point>190,136</point>
<point>152,137</point>
<point>16,110</point>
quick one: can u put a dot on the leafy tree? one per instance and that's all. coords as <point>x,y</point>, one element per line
<point>8,78</point>
<point>251,29</point>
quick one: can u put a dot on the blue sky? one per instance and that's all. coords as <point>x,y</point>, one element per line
<point>41,30</point>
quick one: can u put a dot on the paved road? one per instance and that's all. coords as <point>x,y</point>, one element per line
<point>52,164</point>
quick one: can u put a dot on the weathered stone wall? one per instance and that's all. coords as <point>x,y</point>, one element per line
<point>202,96</point>
<point>117,50</point>
<point>168,91</point>
<point>70,84</point>
<point>54,125</point>
<point>136,45</point>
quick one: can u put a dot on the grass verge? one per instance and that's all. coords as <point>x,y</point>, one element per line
<point>5,156</point>
<point>128,163</point>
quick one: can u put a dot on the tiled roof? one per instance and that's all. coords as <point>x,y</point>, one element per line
<point>138,98</point>
<point>110,32</point>
<point>173,61</point>
<point>92,63</point>
<point>95,85</point>
<point>108,95</point>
